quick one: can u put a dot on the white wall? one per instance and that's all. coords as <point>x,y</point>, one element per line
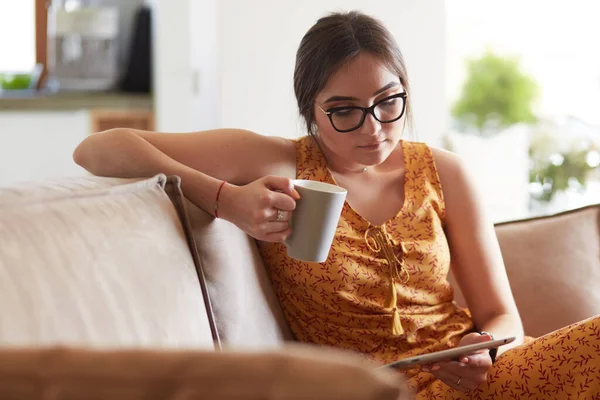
<point>171,65</point>
<point>258,42</point>
<point>249,83</point>
<point>186,77</point>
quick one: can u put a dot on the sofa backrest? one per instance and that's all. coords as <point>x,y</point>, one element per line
<point>76,253</point>
<point>246,311</point>
<point>553,265</point>
<point>97,262</point>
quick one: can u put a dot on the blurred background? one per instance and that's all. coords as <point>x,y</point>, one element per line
<point>512,86</point>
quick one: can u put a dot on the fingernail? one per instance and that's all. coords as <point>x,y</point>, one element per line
<point>297,195</point>
<point>425,369</point>
<point>435,367</point>
<point>464,360</point>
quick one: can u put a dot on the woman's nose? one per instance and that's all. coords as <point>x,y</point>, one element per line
<point>370,126</point>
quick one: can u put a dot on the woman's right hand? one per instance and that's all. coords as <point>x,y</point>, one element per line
<point>254,207</point>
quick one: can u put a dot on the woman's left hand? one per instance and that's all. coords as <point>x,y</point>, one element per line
<point>469,371</point>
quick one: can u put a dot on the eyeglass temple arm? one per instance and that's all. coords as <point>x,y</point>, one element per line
<point>326,112</point>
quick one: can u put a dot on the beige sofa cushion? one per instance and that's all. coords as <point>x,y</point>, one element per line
<point>246,310</point>
<point>302,374</point>
<point>100,262</point>
<point>553,265</point>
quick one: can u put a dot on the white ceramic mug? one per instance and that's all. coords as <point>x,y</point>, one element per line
<point>315,220</point>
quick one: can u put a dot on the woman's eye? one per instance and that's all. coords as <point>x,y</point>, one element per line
<point>389,102</point>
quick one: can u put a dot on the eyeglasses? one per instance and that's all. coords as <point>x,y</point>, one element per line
<point>349,118</point>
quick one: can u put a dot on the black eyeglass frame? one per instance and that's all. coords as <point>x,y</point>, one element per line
<point>365,110</point>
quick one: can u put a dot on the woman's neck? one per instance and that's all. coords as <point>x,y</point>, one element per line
<point>343,167</point>
<point>338,165</point>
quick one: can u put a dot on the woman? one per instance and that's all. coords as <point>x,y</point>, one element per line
<point>383,291</point>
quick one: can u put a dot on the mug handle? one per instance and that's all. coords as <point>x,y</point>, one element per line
<point>286,242</point>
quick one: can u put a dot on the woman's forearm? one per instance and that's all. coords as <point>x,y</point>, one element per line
<point>505,325</point>
<point>122,153</point>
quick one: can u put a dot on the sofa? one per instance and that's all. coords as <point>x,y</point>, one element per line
<point>123,289</point>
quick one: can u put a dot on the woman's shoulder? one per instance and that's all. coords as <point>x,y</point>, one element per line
<point>291,151</point>
<point>306,148</point>
<point>302,142</point>
<point>446,162</point>
<point>445,168</point>
<point>285,150</point>
<point>454,175</point>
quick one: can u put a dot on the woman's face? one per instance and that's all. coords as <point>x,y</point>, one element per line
<point>364,81</point>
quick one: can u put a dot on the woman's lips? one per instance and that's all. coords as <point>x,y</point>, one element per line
<point>373,146</point>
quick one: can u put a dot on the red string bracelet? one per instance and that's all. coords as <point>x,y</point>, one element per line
<point>217,200</point>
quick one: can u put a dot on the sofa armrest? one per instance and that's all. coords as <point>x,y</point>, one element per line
<point>288,373</point>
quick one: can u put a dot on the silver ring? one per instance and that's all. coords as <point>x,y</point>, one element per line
<point>458,381</point>
<point>279,215</point>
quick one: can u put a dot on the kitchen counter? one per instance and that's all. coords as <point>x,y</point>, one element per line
<point>64,101</point>
<point>39,131</point>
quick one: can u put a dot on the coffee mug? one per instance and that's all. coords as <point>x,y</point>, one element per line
<point>315,220</point>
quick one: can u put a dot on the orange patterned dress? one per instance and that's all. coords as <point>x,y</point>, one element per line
<point>383,290</point>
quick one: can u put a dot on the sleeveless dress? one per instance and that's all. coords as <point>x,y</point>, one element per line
<point>383,290</point>
<point>345,301</point>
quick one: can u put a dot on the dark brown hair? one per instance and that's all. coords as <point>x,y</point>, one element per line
<point>333,41</point>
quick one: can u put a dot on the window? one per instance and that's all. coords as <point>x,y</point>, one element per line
<point>22,34</point>
<point>537,165</point>
<point>17,35</point>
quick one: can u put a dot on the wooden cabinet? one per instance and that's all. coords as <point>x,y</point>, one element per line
<point>102,120</point>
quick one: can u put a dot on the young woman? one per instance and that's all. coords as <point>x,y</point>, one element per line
<point>411,215</point>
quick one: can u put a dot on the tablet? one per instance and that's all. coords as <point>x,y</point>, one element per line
<point>446,355</point>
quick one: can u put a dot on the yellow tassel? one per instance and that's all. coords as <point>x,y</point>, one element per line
<point>397,328</point>
<point>391,302</point>
<point>391,299</point>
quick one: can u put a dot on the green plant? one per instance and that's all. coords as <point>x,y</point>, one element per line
<point>495,95</point>
<point>560,171</point>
